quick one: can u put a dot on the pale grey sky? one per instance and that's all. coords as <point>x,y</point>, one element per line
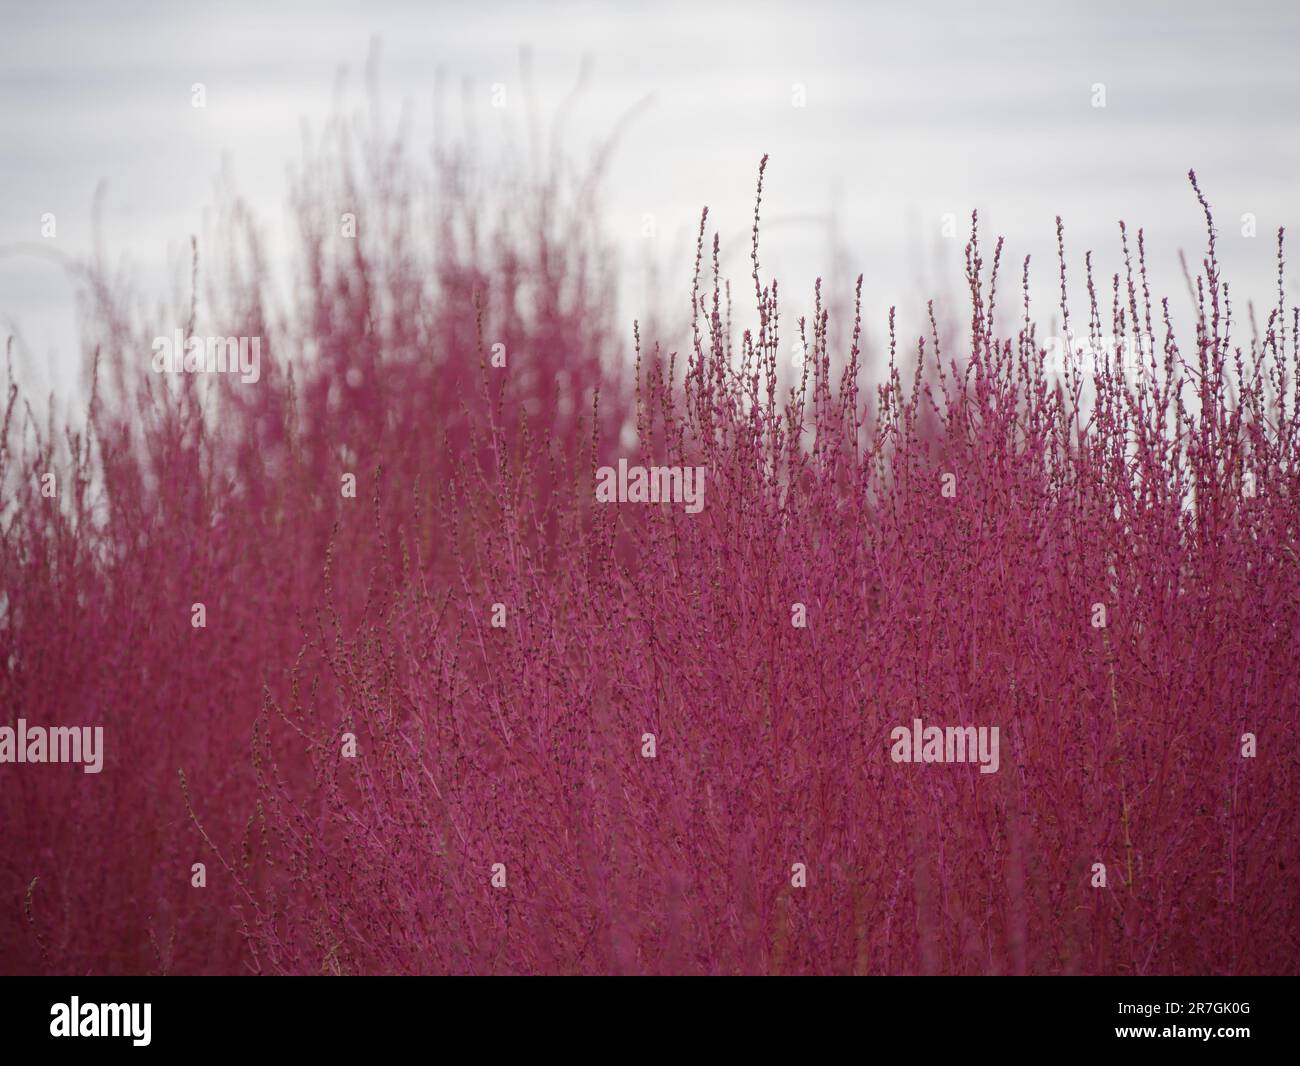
<point>911,111</point>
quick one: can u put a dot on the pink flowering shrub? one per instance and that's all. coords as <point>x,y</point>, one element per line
<point>474,721</point>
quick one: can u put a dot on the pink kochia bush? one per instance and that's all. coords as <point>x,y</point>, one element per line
<point>475,721</point>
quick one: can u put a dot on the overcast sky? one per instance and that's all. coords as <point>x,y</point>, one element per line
<point>911,111</point>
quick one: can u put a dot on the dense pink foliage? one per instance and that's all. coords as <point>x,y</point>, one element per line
<point>522,745</point>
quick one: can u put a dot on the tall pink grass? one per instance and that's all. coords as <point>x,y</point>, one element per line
<point>1167,494</point>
